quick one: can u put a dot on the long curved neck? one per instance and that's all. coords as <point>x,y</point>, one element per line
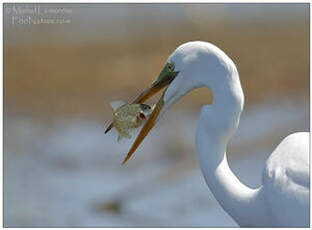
<point>217,124</point>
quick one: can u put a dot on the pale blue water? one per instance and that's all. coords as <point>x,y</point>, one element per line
<point>69,174</point>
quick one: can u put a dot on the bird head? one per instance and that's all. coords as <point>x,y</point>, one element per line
<point>171,79</point>
<point>190,66</point>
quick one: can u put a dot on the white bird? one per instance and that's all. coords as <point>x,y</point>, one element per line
<point>283,198</point>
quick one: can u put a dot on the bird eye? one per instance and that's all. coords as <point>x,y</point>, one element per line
<point>170,66</point>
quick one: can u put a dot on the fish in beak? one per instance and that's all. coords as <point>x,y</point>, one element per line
<point>165,77</point>
<point>129,117</point>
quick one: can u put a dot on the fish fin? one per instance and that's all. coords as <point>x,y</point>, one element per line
<point>116,104</point>
<point>153,107</point>
<point>123,135</point>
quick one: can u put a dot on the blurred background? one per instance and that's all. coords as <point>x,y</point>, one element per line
<point>64,63</point>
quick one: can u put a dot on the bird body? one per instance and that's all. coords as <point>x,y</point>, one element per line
<point>283,198</point>
<point>286,181</point>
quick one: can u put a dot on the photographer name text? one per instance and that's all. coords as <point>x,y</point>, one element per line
<point>37,14</point>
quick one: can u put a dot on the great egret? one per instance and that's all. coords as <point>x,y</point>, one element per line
<point>283,198</point>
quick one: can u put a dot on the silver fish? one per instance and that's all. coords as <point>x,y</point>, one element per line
<point>128,117</point>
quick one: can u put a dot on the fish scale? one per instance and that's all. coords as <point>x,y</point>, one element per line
<point>126,117</point>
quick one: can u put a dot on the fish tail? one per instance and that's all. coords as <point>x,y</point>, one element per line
<point>121,136</point>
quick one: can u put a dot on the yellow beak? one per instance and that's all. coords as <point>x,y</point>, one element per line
<point>165,77</point>
<point>145,129</point>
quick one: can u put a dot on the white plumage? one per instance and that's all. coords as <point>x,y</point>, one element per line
<point>283,198</point>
